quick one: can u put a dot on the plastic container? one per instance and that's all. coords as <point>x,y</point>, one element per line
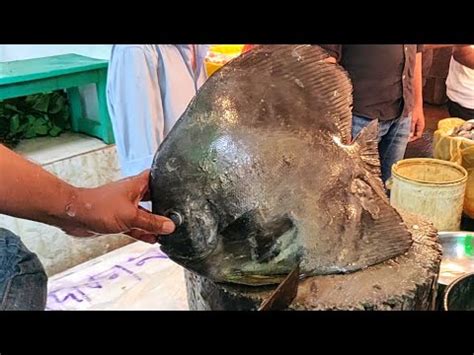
<point>226,51</point>
<point>430,188</point>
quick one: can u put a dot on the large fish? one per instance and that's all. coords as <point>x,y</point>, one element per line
<point>260,174</point>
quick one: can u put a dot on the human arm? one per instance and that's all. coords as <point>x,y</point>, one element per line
<point>418,116</point>
<point>30,192</point>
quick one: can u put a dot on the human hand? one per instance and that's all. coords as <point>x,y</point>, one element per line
<point>114,208</point>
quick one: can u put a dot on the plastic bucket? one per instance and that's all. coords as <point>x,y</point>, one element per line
<point>430,188</point>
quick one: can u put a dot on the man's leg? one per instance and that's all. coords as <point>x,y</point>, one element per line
<point>393,144</point>
<point>23,281</point>
<point>358,123</point>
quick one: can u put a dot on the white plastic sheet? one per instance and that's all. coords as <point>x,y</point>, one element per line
<point>135,277</point>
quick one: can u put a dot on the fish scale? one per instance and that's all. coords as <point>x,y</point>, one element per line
<point>289,186</point>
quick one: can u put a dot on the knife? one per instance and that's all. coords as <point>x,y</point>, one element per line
<point>282,297</point>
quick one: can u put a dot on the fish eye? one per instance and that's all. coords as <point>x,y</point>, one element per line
<point>175,217</point>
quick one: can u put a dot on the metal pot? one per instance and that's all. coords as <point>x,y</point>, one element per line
<point>459,295</point>
<point>458,255</point>
<point>458,260</point>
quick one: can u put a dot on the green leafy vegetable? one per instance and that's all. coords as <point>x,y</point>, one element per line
<point>33,116</point>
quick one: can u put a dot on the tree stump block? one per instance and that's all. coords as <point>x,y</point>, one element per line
<point>407,282</point>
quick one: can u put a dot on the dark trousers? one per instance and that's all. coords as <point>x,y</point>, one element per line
<point>456,110</point>
<point>23,281</point>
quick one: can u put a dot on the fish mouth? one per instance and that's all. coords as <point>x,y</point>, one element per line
<point>197,264</point>
<point>172,254</point>
<point>175,251</point>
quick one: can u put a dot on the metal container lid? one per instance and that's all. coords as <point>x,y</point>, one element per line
<point>458,255</point>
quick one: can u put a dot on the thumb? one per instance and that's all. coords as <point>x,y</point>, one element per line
<point>152,223</point>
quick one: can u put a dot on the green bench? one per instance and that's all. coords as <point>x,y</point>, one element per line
<point>69,71</point>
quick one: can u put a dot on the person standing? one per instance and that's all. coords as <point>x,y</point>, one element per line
<point>387,81</point>
<point>460,83</point>
<point>148,89</point>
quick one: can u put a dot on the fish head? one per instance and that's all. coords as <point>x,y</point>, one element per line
<point>225,230</point>
<point>180,185</point>
<point>208,181</point>
<point>195,235</point>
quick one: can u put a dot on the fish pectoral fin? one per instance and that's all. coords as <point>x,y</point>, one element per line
<point>240,228</point>
<point>268,235</point>
<point>383,234</point>
<point>262,235</point>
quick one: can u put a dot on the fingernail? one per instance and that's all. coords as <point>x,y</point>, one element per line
<point>168,227</point>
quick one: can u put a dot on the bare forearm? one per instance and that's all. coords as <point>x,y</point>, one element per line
<point>437,46</point>
<point>440,46</point>
<point>465,56</point>
<point>418,82</point>
<point>28,191</point>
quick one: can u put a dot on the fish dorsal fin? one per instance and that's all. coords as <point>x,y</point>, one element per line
<point>366,144</point>
<point>295,82</point>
